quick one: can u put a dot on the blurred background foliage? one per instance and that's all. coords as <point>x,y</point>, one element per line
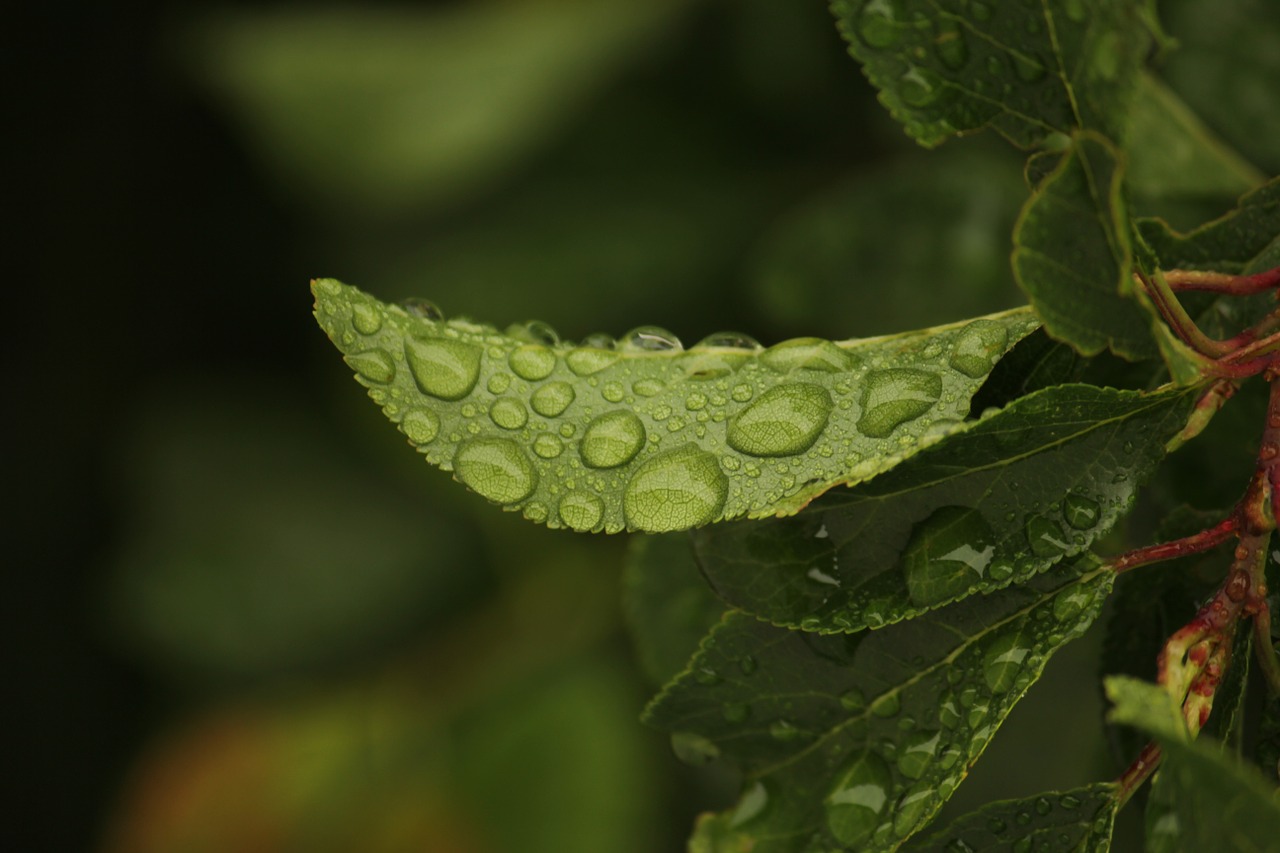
<point>245,617</point>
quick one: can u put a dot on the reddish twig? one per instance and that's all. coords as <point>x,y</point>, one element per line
<point>1228,285</point>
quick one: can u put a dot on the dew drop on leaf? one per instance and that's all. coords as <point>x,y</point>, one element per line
<point>496,469</point>
<point>423,309</point>
<point>855,804</point>
<point>919,87</point>
<point>895,396</point>
<point>806,354</point>
<point>650,339</point>
<point>675,490</point>
<point>876,26</point>
<point>366,318</point>
<point>446,369</point>
<point>532,362</point>
<point>1002,661</point>
<point>947,554</point>
<point>917,752</point>
<point>647,387</point>
<point>1081,512</point>
<point>374,365</point>
<point>1045,537</point>
<point>781,422</point>
<point>735,712</point>
<point>612,439</point>
<point>581,511</point>
<point>536,332</point>
<point>887,704</point>
<point>613,392</point>
<point>508,413</point>
<point>784,730</point>
<point>951,46</point>
<point>728,340</point>
<point>420,425</point>
<point>976,346</point>
<point>586,360</point>
<point>693,748</point>
<point>552,399</point>
<point>912,807</point>
<point>747,665</point>
<point>852,700</point>
<point>548,446</point>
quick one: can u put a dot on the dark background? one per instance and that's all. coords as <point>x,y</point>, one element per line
<point>243,616</point>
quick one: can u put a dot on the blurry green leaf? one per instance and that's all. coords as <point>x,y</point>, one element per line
<point>1219,803</point>
<point>394,107</point>
<point>643,435</point>
<point>1246,239</point>
<point>1267,749</point>
<point>1172,153</point>
<point>855,740</point>
<point>1016,493</point>
<point>1072,256</point>
<point>669,606</point>
<point>1075,821</point>
<point>1028,70</point>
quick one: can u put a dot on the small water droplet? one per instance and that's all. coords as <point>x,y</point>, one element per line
<point>913,806</point>
<point>976,347</point>
<point>919,87</point>
<point>852,700</point>
<point>508,413</point>
<point>496,469</point>
<point>374,365</point>
<point>1002,661</point>
<point>366,318</point>
<point>735,712</point>
<point>535,332</point>
<point>612,439</point>
<point>695,401</point>
<point>420,425</point>
<point>447,369</point>
<point>752,804</point>
<point>806,354</point>
<point>1071,602</point>
<point>728,340</point>
<point>917,752</point>
<point>886,704</point>
<point>423,309</point>
<point>536,512</point>
<point>959,845</point>
<point>650,339</point>
<point>784,730</point>
<point>895,396</point>
<point>648,387</point>
<point>947,554</point>
<point>675,490</point>
<point>581,511</point>
<point>781,422</point>
<point>996,826</point>
<point>747,664</point>
<point>586,360</point>
<point>532,362</point>
<point>547,445</point>
<point>1081,512</point>
<point>1045,537</point>
<point>949,711</point>
<point>499,383</point>
<point>1043,806</point>
<point>1069,801</point>
<point>950,44</point>
<point>552,399</point>
<point>692,748</point>
<point>858,799</point>
<point>613,392</point>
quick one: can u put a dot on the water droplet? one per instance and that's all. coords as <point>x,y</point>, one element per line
<point>1081,512</point>
<point>886,704</point>
<point>532,362</point>
<point>420,425</point>
<point>950,44</point>
<point>996,826</point>
<point>919,87</point>
<point>675,490</point>
<point>875,25</point>
<point>423,309</point>
<point>695,401</point>
<point>581,511</point>
<point>613,392</point>
<point>496,469</point>
<point>913,806</point>
<point>648,387</point>
<point>650,339</point>
<point>753,802</point>
<point>499,383</point>
<point>949,711</point>
<point>535,511</point>
<point>692,748</point>
<point>947,554</point>
<point>852,700</point>
<point>374,365</point>
<point>585,361</point>
<point>735,712</point>
<point>552,399</point>
<point>1071,602</point>
<point>1002,662</point>
<point>806,354</point>
<point>706,676</point>
<point>783,421</point>
<point>599,340</point>
<point>976,347</point>
<point>535,332</point>
<point>1028,68</point>
<point>784,730</point>
<point>1043,806</point>
<point>895,396</point>
<point>959,845</point>
<point>447,369</point>
<point>547,445</point>
<point>508,413</point>
<point>917,752</point>
<point>612,439</point>
<point>1045,537</point>
<point>728,340</point>
<point>742,392</point>
<point>748,665</point>
<point>1069,801</point>
<point>854,806</point>
<point>366,318</point>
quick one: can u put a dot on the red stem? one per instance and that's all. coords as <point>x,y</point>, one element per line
<point>1193,544</point>
<point>1231,285</point>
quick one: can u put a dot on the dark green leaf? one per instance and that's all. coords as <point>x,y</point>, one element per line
<point>1072,254</point>
<point>855,740</point>
<point>991,506</point>
<point>1075,821</point>
<point>1028,70</point>
<point>1244,240</point>
<point>641,434</point>
<point>668,604</point>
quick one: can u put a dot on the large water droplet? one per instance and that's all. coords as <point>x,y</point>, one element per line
<point>508,413</point>
<point>855,804</point>
<point>585,361</point>
<point>886,704</point>
<point>950,44</point>
<point>496,468</point>
<point>692,748</point>
<point>675,490</point>
<point>581,511</point>
<point>947,554</point>
<point>612,439</point>
<point>1081,512</point>
<point>532,362</point>
<point>1002,661</point>
<point>420,425</point>
<point>423,309</point>
<point>919,87</point>
<point>366,318</point>
<point>894,396</point>
<point>1071,602</point>
<point>374,365</point>
<point>552,399</point>
<point>446,369</point>
<point>650,339</point>
<point>783,421</point>
<point>728,340</point>
<point>753,802</point>
<point>917,752</point>
<point>976,347</point>
<point>1045,537</point>
<point>548,446</point>
<point>535,332</point>
<point>913,806</point>
<point>875,25</point>
<point>806,354</point>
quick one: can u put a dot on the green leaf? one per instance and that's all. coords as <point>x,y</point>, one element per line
<point>1028,70</point>
<point>853,741</point>
<point>1267,750</point>
<point>669,606</point>
<point>991,506</point>
<point>644,435</point>
<point>1246,239</point>
<point>1072,255</point>
<point>1219,803</point>
<point>1067,822</point>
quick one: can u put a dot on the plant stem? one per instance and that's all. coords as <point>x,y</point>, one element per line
<point>1216,282</point>
<point>1193,544</point>
<point>1138,772</point>
<point>1177,317</point>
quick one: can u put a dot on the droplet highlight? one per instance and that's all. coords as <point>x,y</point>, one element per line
<point>650,339</point>
<point>855,805</point>
<point>1081,512</point>
<point>947,554</point>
